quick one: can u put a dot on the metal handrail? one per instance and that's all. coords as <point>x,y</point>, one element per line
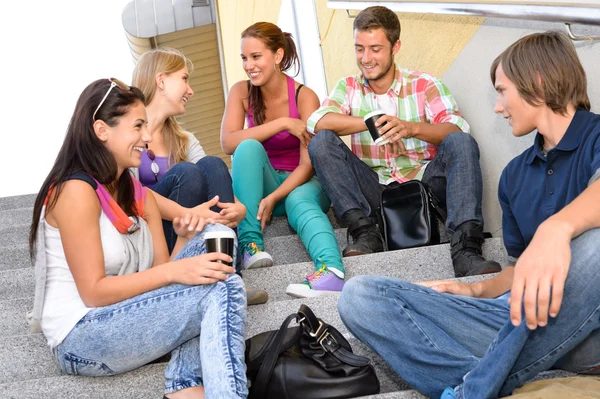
<point>559,12</point>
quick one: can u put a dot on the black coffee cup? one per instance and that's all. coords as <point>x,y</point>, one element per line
<point>220,241</point>
<point>370,120</point>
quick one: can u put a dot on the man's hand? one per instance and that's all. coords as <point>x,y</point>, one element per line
<point>453,287</point>
<point>265,210</point>
<point>540,275</point>
<point>396,130</point>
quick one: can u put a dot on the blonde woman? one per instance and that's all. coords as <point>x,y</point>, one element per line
<point>174,164</point>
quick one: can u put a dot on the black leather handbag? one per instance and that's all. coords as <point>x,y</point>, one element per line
<point>309,361</point>
<point>408,216</point>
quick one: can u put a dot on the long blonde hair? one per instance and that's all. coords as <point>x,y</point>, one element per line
<point>167,61</point>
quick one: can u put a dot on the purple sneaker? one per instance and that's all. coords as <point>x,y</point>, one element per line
<point>322,282</point>
<point>255,257</point>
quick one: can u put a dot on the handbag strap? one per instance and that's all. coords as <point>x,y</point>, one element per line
<point>435,204</point>
<point>261,382</point>
<point>328,337</point>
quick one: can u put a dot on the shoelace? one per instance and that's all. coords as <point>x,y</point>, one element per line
<point>313,278</point>
<point>253,249</point>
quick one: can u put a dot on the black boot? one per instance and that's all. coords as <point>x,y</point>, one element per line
<point>465,247</point>
<point>366,238</point>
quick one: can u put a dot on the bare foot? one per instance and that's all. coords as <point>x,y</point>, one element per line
<point>188,393</point>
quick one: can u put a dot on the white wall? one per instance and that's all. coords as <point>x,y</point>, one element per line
<point>51,51</point>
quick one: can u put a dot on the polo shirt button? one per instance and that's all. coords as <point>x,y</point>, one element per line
<point>550,172</point>
<point>551,191</point>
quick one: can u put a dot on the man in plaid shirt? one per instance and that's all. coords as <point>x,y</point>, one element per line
<point>429,141</point>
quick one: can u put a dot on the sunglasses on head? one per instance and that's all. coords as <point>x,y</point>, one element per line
<point>113,83</point>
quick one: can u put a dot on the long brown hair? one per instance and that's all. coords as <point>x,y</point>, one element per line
<point>274,39</point>
<point>82,150</point>
<point>167,61</point>
<point>545,68</point>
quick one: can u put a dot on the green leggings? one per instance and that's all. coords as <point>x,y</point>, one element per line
<point>254,178</point>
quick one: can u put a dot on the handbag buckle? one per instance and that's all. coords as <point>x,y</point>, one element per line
<point>328,342</point>
<point>318,332</point>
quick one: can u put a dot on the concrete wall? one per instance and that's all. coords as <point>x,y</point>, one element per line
<point>469,81</point>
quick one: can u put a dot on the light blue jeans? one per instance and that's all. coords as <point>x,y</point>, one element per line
<point>434,340</point>
<point>201,326</point>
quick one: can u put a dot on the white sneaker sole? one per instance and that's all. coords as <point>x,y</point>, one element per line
<point>261,259</point>
<point>303,291</point>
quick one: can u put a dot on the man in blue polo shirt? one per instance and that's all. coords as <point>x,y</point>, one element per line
<point>473,336</point>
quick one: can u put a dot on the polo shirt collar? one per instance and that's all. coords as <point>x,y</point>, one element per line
<point>570,140</point>
<point>396,84</point>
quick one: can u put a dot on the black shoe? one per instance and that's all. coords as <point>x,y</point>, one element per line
<point>465,247</point>
<point>366,238</point>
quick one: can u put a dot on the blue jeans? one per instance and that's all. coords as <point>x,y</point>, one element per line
<point>435,340</point>
<point>201,326</point>
<point>254,178</point>
<point>454,176</point>
<point>191,184</point>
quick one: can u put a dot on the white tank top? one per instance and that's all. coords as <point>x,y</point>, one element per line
<point>63,307</point>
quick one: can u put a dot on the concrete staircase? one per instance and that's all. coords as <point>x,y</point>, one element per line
<point>27,369</point>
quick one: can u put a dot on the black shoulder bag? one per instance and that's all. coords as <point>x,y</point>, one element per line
<point>408,216</point>
<point>309,361</point>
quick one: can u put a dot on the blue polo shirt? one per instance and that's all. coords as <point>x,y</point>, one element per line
<point>534,187</point>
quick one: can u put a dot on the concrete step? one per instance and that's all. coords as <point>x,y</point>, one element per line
<point>14,235</point>
<point>17,201</point>
<point>14,257</point>
<point>15,216</point>
<point>416,264</point>
<point>425,263</point>
<point>17,287</point>
<point>145,382</point>
<point>17,283</point>
<point>284,249</point>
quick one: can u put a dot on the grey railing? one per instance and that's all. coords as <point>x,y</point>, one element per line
<point>568,14</point>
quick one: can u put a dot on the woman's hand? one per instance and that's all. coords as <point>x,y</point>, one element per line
<point>232,213</point>
<point>203,210</point>
<point>201,269</point>
<point>297,127</point>
<point>265,210</point>
<point>187,225</point>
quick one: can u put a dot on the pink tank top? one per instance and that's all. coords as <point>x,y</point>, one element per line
<point>283,149</point>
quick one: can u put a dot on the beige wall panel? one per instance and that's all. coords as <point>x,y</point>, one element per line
<point>201,127</point>
<point>430,43</point>
<point>235,16</point>
<point>138,46</point>
<point>205,101</point>
<point>203,60</point>
<point>204,118</point>
<point>186,33</point>
<point>196,43</point>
